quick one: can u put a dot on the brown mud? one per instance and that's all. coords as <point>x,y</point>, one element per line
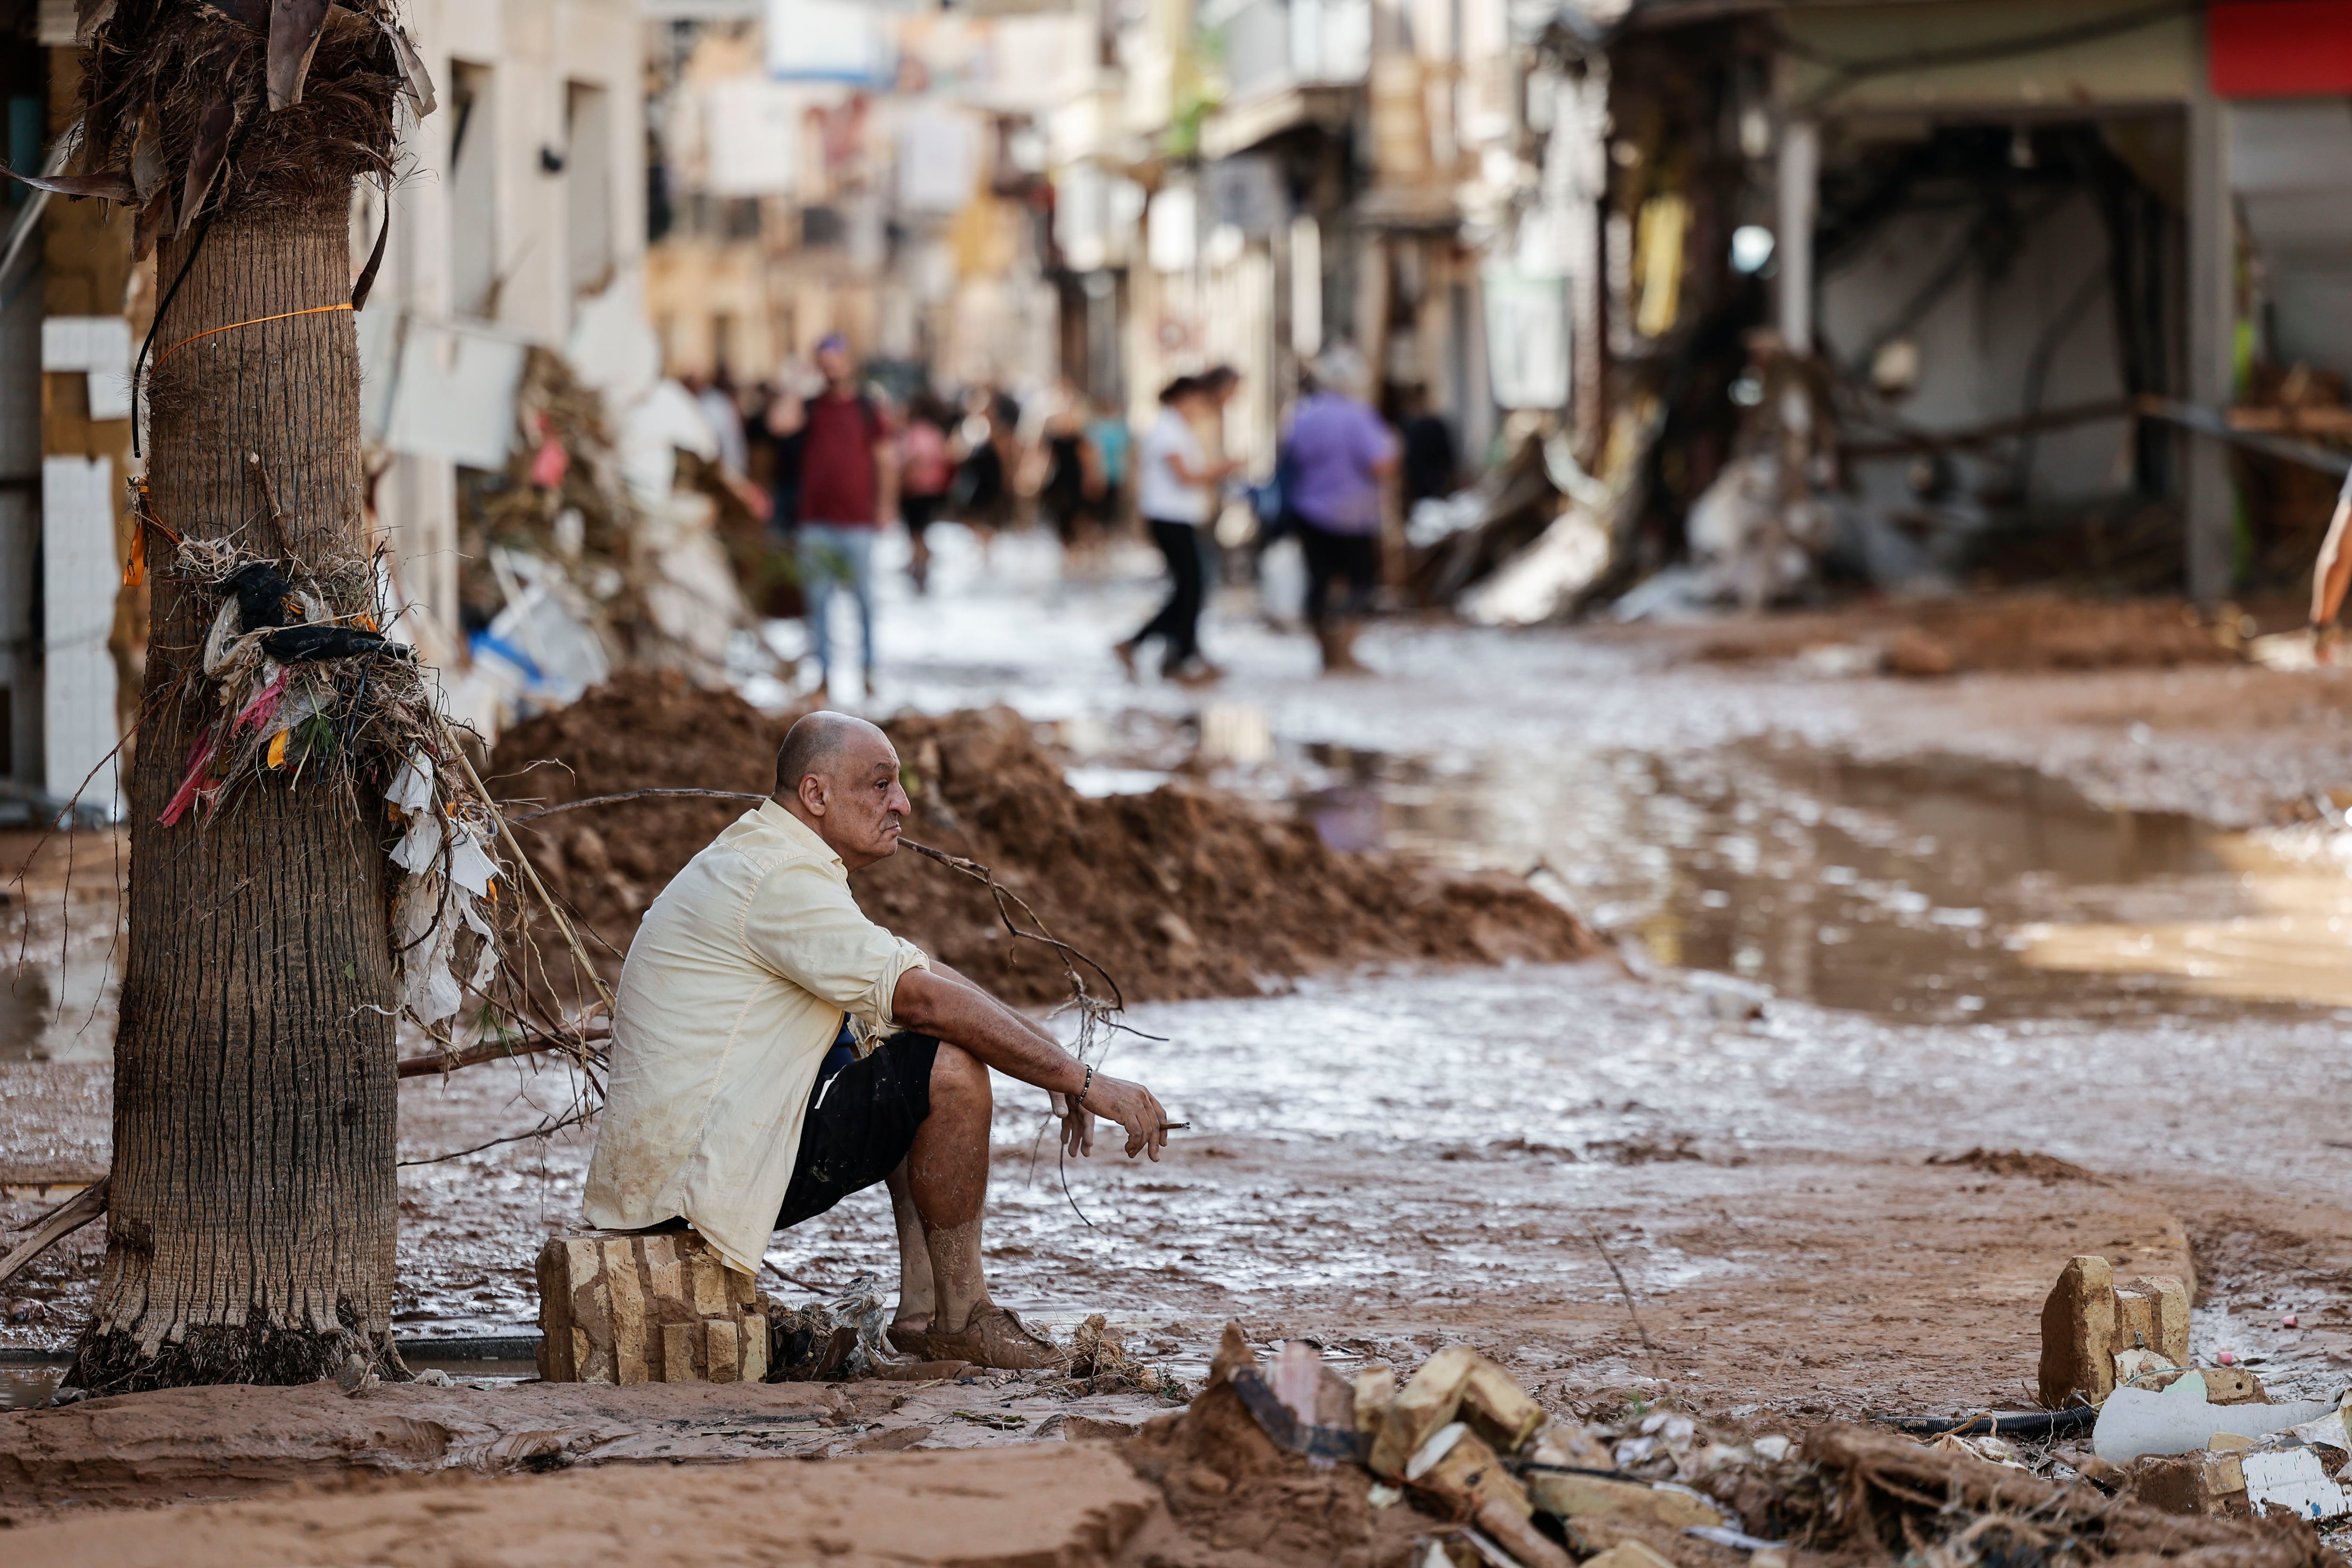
<point>1203,1488</point>
<point>2028,632</point>
<point>1070,1504</point>
<point>1176,894</point>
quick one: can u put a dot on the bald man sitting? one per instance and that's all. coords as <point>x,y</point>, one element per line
<point>773,1051</point>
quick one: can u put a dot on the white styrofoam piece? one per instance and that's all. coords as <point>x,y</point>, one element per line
<point>2294,1478</point>
<point>2136,1421</point>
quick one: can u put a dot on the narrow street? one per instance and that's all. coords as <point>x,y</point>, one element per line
<point>1846,915</point>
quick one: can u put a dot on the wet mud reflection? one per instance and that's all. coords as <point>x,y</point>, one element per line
<point>1935,888</point>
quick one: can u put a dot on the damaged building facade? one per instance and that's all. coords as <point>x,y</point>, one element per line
<point>516,216</point>
<point>1932,295</point>
<point>1923,294</point>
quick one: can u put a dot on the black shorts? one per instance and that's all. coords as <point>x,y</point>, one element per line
<point>861,1123</point>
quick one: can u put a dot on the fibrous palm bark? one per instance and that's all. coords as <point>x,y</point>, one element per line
<point>253,1208</point>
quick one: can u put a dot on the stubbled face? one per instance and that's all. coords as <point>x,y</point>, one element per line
<point>834,364</point>
<point>858,803</point>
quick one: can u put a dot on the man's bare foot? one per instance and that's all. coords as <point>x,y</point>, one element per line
<point>995,1338</point>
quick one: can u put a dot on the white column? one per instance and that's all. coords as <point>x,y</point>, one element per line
<point>1800,197</point>
<point>79,578</point>
<point>2212,307</point>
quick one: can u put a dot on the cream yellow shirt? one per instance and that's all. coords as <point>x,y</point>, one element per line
<point>733,990</point>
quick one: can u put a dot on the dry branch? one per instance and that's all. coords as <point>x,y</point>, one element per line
<point>56,1226</point>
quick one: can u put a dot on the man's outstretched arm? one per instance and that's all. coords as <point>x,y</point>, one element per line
<point>937,1001</point>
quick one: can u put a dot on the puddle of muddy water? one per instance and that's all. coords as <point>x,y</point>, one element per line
<point>28,1387</point>
<point>1930,889</point>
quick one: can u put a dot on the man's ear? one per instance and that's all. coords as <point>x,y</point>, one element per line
<point>813,794</point>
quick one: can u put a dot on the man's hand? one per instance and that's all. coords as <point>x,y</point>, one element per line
<point>939,1002</point>
<point>1130,1105</point>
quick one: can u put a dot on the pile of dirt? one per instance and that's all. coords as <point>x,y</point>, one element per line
<point>2018,633</point>
<point>2046,1168</point>
<point>643,730</point>
<point>1178,893</point>
<point>1236,1500</point>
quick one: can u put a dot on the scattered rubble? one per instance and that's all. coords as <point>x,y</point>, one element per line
<point>1459,1465</point>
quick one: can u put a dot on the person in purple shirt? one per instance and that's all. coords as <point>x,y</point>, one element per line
<point>1338,455</point>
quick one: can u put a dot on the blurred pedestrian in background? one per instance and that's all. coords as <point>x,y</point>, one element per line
<point>1070,487</point>
<point>715,395</point>
<point>848,486</point>
<point>1177,489</point>
<point>1430,467</point>
<point>1113,447</point>
<point>1339,454</point>
<point>986,446</point>
<point>926,473</point>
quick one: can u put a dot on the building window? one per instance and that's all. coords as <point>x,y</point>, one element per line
<point>588,186</point>
<point>473,194</point>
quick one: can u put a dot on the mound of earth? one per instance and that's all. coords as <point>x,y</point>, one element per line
<point>2017,1163</point>
<point>1176,893</point>
<point>2016,633</point>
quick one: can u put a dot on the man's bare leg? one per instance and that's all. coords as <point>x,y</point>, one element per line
<point>947,1184</point>
<point>914,1258</point>
<point>947,1172</point>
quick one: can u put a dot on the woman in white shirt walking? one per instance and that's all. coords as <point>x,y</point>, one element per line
<point>1176,491</point>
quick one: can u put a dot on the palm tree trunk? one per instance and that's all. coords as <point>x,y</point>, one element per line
<point>254,1209</point>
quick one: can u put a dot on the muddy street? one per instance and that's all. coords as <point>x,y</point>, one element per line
<point>1871,938</point>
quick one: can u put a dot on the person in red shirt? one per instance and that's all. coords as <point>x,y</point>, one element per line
<point>848,484</point>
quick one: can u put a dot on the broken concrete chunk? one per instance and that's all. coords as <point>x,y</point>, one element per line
<point>2292,1478</point>
<point>1498,1410</point>
<point>2088,1322</point>
<point>1426,1403</point>
<point>2201,1483</point>
<point>1565,1443</point>
<point>2078,1333</point>
<point>1375,1387</point>
<point>2152,1314</point>
<point>1464,1474</point>
<point>1589,1497</point>
<point>1511,1529</point>
<point>647,1308</point>
<point>2232,1385</point>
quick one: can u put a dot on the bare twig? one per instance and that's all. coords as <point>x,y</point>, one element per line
<point>1632,1311</point>
<point>495,1051</point>
<point>571,1117</point>
<point>631,794</point>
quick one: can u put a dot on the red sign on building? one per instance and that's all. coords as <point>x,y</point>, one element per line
<point>2281,49</point>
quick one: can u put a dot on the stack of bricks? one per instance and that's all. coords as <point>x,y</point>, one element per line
<point>647,1308</point>
<point>2090,1320</point>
